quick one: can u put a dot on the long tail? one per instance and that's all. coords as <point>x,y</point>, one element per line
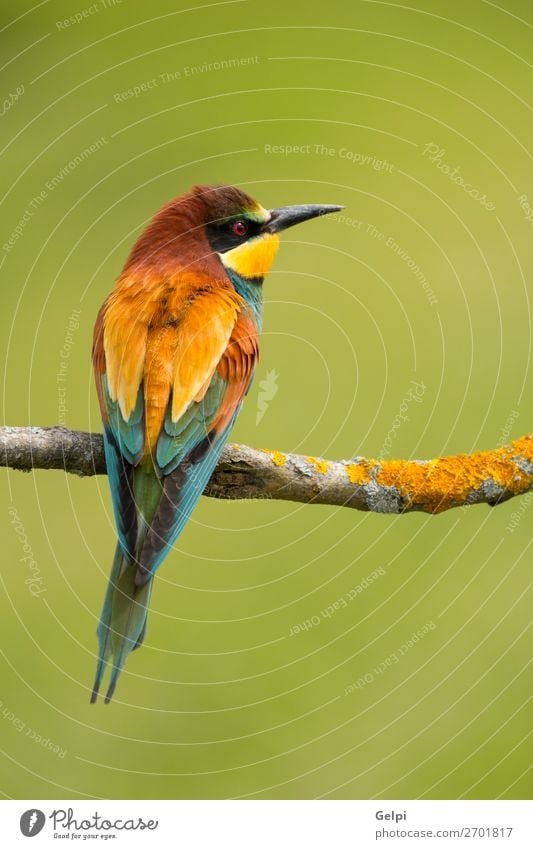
<point>122,626</point>
<point>162,507</point>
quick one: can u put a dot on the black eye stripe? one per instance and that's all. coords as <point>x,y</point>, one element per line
<point>227,234</point>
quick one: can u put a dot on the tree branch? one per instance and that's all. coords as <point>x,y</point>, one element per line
<point>387,486</point>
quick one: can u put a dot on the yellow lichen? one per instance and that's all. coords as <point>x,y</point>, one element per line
<point>439,484</point>
<point>321,466</point>
<point>436,485</point>
<point>359,473</point>
<point>278,458</point>
<point>522,446</point>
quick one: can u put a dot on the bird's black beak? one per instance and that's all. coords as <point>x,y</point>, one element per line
<point>288,216</point>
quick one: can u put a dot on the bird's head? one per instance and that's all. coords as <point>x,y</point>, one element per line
<point>226,223</point>
<point>246,235</point>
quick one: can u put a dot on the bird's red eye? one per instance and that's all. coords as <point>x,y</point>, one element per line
<point>240,228</point>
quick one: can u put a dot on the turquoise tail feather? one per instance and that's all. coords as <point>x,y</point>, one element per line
<point>128,622</point>
<point>122,626</point>
<point>102,632</point>
<point>162,508</point>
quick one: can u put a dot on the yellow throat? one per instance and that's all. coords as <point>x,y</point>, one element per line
<point>253,258</point>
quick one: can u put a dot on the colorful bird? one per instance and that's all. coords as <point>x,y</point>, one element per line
<point>174,352</point>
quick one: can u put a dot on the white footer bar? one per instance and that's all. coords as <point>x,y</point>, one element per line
<point>267,824</point>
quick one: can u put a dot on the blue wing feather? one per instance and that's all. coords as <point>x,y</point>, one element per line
<point>181,490</point>
<point>177,439</point>
<point>129,435</point>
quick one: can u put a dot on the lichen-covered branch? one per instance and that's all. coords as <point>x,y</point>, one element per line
<point>387,486</point>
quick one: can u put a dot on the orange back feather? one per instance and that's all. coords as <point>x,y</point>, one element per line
<point>171,334</point>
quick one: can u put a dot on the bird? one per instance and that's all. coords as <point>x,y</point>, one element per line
<point>175,347</point>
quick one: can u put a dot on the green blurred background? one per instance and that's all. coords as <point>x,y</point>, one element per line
<point>222,701</point>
